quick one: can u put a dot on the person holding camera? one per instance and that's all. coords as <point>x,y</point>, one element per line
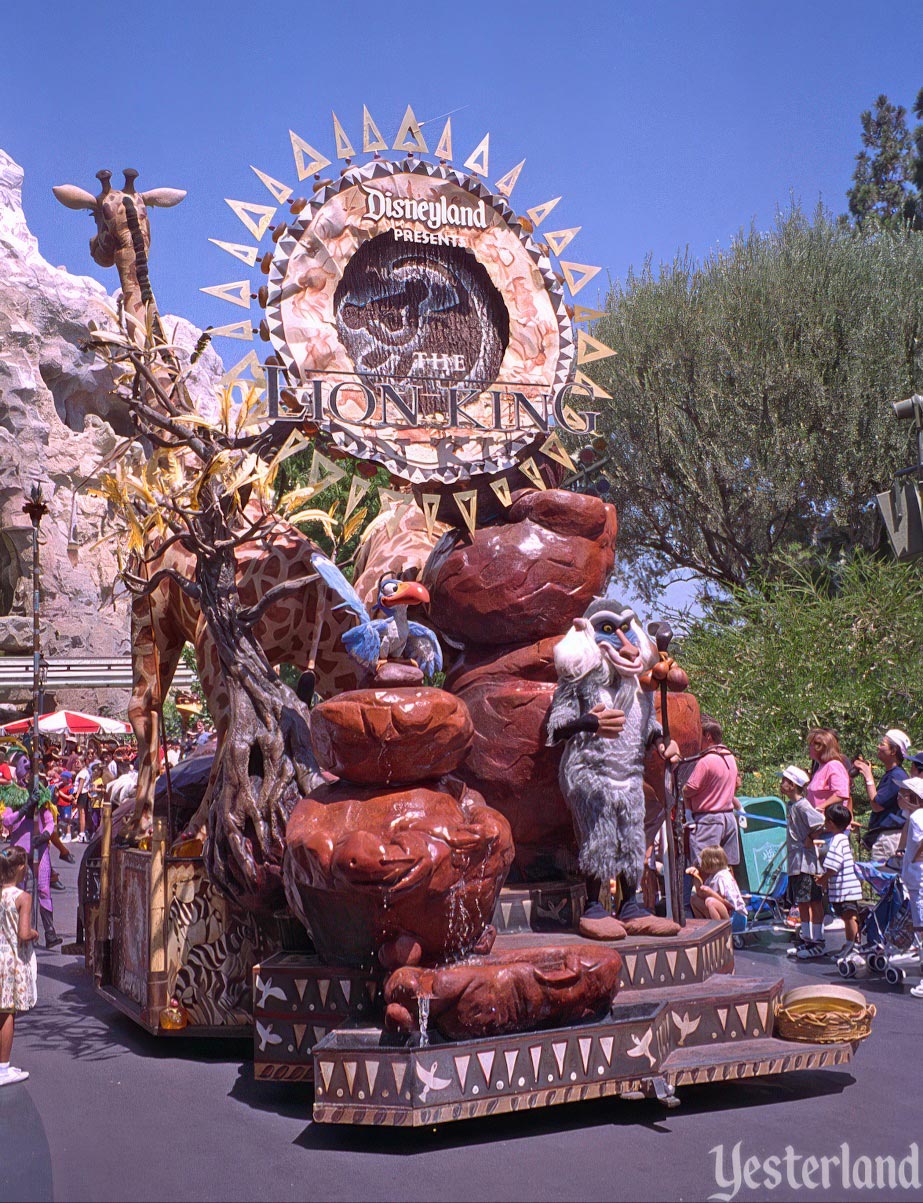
<point>887,819</point>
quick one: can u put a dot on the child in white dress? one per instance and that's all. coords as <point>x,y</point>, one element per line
<point>18,970</point>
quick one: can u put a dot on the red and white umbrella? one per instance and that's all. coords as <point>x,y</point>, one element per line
<point>69,722</point>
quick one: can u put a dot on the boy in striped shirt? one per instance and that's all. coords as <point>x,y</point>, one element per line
<point>844,889</point>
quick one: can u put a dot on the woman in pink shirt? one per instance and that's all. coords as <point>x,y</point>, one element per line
<point>830,779</point>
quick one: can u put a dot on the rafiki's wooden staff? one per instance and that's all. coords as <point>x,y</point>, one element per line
<point>663,635</point>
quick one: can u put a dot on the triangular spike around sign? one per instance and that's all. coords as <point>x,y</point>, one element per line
<point>295,442</point>
<point>477,160</point>
<point>372,140</point>
<point>531,469</point>
<point>345,148</point>
<point>240,250</point>
<point>237,292</point>
<point>331,473</point>
<point>597,389</point>
<point>467,502</point>
<point>577,275</point>
<point>247,211</point>
<point>409,136</point>
<point>393,497</point>
<point>279,190</point>
<point>242,330</point>
<point>444,149</point>
<point>540,212</point>
<point>559,239</point>
<point>308,160</point>
<point>590,349</point>
<point>358,487</point>
<point>507,183</point>
<point>251,362</point>
<point>429,504</point>
<point>582,313</point>
<point>554,449</point>
<point>502,488</point>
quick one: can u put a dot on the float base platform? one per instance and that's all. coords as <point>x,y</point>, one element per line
<point>680,1018</point>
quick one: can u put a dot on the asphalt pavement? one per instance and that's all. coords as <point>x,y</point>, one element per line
<point>110,1112</point>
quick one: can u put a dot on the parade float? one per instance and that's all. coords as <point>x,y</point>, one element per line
<point>429,878</point>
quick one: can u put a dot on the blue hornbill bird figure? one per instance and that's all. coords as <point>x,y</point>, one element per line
<point>392,637</point>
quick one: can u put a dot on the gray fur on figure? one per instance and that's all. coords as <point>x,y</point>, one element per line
<point>603,779</point>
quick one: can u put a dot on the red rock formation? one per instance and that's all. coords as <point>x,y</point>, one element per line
<point>404,873</point>
<point>387,735</point>
<point>527,578</point>
<point>515,991</point>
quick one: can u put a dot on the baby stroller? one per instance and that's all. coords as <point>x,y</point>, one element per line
<point>886,941</point>
<point>762,871</point>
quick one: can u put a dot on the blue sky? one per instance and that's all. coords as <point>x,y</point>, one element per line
<point>664,125</point>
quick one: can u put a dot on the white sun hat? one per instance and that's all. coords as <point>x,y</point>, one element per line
<point>900,739</point>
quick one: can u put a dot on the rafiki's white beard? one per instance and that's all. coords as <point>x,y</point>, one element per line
<point>576,655</point>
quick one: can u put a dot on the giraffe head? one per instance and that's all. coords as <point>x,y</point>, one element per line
<point>113,243</point>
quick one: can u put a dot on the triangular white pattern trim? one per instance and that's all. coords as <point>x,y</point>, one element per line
<point>461,1068</point>
<point>371,1072</point>
<point>605,1043</point>
<point>559,1050</point>
<point>585,1042</point>
<point>486,1061</point>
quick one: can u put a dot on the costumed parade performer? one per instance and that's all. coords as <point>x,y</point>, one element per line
<point>608,722</point>
<point>31,823</point>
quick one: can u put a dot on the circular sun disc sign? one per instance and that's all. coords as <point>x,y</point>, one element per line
<point>419,324</point>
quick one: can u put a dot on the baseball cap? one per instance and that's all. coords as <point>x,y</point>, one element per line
<point>797,776</point>
<point>900,739</point>
<point>913,785</point>
<point>917,759</point>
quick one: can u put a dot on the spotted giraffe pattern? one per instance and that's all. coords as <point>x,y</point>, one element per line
<point>162,626</point>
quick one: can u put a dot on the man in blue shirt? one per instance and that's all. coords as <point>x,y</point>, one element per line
<point>887,818</point>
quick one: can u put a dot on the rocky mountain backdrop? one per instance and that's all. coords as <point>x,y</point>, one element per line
<point>58,421</point>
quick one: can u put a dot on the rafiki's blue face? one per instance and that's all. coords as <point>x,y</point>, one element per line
<point>616,632</point>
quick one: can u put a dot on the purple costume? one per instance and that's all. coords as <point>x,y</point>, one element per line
<point>22,832</point>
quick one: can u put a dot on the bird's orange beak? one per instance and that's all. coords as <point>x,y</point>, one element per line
<point>409,594</point>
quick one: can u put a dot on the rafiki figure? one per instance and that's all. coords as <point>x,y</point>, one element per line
<point>609,722</point>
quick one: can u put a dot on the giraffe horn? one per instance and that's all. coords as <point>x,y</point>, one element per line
<point>130,176</point>
<point>104,177</point>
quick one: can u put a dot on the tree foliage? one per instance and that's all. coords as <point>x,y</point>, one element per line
<point>751,397</point>
<point>882,190</point>
<point>840,649</point>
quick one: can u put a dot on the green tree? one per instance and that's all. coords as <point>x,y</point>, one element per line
<point>840,649</point>
<point>751,397</point>
<point>881,190</point>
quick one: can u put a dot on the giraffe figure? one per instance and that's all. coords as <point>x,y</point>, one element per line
<point>163,623</point>
<point>116,242</point>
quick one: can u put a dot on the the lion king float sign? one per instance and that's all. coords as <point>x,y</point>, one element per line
<point>415,318</point>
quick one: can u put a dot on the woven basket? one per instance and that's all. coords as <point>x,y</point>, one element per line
<point>824,1015</point>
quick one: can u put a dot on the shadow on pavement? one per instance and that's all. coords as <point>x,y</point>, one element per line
<point>25,1158</point>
